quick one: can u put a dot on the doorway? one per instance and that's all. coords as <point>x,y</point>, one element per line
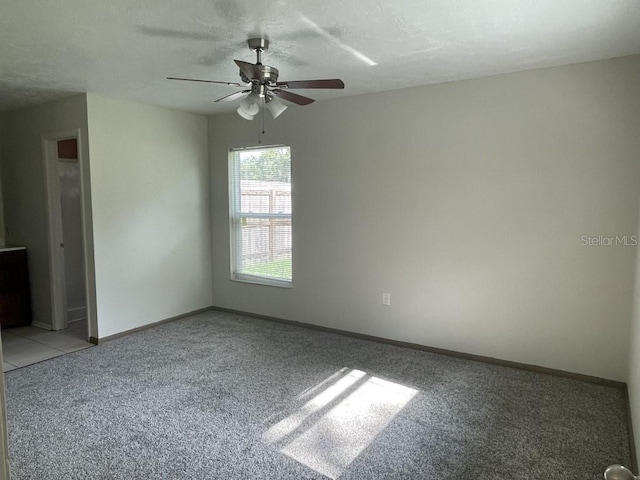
<point>66,235</point>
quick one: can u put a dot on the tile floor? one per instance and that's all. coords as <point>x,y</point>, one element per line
<point>24,346</point>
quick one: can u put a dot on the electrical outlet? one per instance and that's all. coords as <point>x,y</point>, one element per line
<point>386,298</point>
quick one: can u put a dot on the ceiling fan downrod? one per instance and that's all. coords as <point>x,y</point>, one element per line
<point>258,45</point>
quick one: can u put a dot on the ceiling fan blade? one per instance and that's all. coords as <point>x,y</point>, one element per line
<point>249,69</point>
<point>231,84</point>
<point>328,83</point>
<point>234,96</point>
<point>292,97</point>
<point>176,34</point>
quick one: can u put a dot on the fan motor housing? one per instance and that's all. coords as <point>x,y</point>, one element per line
<point>268,75</point>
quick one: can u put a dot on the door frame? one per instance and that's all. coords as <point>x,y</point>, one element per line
<point>5,471</point>
<point>54,226</point>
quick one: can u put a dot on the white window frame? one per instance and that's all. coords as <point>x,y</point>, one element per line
<point>235,222</point>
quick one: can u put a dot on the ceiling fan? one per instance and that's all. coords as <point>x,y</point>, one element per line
<point>262,86</point>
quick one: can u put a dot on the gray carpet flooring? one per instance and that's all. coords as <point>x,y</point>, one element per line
<point>222,396</point>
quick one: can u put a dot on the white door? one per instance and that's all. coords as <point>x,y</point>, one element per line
<point>73,251</point>
<point>66,247</point>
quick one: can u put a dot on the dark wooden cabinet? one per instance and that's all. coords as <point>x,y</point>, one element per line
<point>15,300</point>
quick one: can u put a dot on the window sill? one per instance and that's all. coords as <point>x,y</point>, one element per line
<point>268,282</point>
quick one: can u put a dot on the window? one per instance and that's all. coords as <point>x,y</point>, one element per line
<point>260,211</point>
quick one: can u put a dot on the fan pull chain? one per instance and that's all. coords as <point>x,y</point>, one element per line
<point>259,136</point>
<point>264,104</point>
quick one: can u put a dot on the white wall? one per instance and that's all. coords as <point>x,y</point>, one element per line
<point>150,190</point>
<point>2,228</point>
<point>633,381</point>
<point>23,185</point>
<point>2,239</point>
<point>467,201</point>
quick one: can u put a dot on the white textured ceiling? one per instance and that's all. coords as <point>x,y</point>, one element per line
<point>125,49</point>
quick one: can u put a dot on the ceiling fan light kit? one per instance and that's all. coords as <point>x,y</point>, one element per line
<point>264,88</point>
<point>275,107</point>
<point>249,106</point>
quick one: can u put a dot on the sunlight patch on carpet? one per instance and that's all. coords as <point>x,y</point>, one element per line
<point>329,431</point>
